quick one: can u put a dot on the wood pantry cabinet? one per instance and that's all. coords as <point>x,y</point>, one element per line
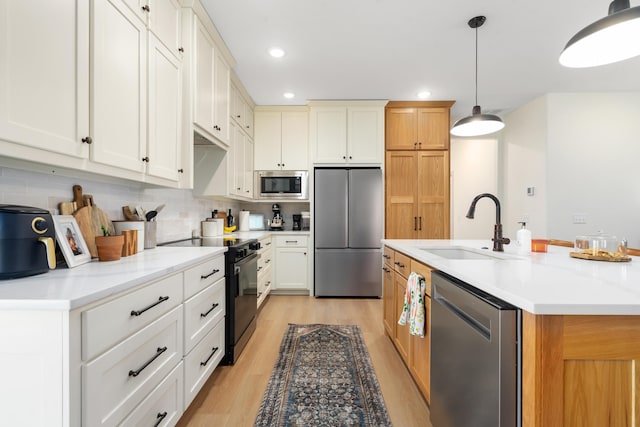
<point>415,351</point>
<point>281,138</point>
<point>417,195</point>
<point>417,125</point>
<point>348,132</point>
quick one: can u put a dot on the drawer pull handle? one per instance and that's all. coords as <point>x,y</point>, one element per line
<point>210,356</point>
<point>161,416</point>
<point>159,351</point>
<point>267,261</point>
<point>386,256</point>
<point>386,270</point>
<point>213,307</point>
<point>215,270</point>
<point>291,241</point>
<point>259,268</point>
<point>139,312</point>
<point>399,264</point>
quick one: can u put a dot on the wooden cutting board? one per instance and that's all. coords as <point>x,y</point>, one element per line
<point>99,217</point>
<point>84,218</point>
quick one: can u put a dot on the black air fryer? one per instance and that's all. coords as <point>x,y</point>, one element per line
<point>27,241</point>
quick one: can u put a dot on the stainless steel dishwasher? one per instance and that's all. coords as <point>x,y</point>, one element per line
<point>475,357</point>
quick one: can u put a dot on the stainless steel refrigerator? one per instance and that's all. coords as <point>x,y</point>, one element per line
<point>348,221</point>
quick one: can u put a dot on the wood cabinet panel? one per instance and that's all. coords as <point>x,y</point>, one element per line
<point>417,125</point>
<point>420,355</point>
<point>401,333</point>
<point>417,195</point>
<point>587,360</point>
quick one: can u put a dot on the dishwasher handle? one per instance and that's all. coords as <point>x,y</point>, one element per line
<point>466,317</point>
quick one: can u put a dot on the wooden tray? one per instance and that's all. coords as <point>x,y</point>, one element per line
<point>582,255</point>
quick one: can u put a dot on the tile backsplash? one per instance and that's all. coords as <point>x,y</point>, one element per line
<point>180,217</point>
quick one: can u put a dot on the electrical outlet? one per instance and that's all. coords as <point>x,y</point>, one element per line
<point>525,218</point>
<point>580,218</point>
<point>531,191</point>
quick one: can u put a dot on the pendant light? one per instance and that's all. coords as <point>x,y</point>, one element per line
<point>477,123</point>
<point>611,39</point>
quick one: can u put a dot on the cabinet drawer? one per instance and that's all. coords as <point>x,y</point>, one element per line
<point>116,382</point>
<point>110,323</point>
<point>163,406</point>
<point>284,241</point>
<point>402,264</point>
<point>202,275</point>
<point>201,362</point>
<point>264,260</point>
<point>387,256</point>
<point>202,312</point>
<point>424,271</point>
<point>265,245</point>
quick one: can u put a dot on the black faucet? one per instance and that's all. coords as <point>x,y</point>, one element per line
<point>498,240</point>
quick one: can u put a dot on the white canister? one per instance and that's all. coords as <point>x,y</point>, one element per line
<point>220,223</point>
<point>244,221</point>
<point>209,228</point>
<point>131,225</point>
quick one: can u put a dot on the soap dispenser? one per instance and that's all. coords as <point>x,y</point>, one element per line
<point>523,238</point>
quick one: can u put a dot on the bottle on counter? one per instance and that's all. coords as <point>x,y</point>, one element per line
<point>229,219</point>
<point>523,239</point>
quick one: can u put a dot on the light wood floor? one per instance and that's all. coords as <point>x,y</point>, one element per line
<point>232,395</point>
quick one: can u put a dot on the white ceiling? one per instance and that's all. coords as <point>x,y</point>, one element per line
<point>391,49</point>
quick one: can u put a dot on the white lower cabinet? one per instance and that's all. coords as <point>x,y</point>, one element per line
<point>265,271</point>
<point>200,363</point>
<point>138,357</point>
<point>118,380</point>
<point>292,263</point>
<point>164,405</point>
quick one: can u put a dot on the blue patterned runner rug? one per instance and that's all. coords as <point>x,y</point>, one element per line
<point>323,377</point>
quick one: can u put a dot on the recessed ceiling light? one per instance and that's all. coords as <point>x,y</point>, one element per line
<point>276,52</point>
<point>424,94</point>
<point>289,95</point>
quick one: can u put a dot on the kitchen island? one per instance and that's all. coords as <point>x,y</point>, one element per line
<point>579,326</point>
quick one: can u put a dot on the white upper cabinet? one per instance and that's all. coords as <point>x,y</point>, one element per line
<point>212,74</point>
<point>118,98</point>
<point>165,119</point>
<point>281,139</point>
<point>164,22</point>
<point>347,133</point>
<point>44,76</point>
<point>241,112</point>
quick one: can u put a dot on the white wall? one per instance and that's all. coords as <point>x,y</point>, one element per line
<point>594,164</point>
<point>523,144</point>
<point>474,170</point>
<point>581,151</point>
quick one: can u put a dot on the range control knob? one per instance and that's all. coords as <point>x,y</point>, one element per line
<point>39,225</point>
<point>254,246</point>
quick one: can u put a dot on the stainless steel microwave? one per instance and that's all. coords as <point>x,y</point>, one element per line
<point>281,185</point>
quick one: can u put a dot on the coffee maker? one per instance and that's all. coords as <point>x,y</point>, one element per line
<point>297,222</point>
<point>276,221</point>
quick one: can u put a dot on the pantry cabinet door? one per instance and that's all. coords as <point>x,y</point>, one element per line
<point>118,101</point>
<point>44,75</point>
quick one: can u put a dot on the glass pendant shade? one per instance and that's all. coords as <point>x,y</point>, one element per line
<point>477,124</point>
<point>613,38</point>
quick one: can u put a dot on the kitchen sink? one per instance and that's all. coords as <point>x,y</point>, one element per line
<point>457,252</point>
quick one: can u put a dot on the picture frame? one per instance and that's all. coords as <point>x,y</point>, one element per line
<point>70,239</point>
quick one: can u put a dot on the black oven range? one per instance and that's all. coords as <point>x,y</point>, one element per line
<point>241,285</point>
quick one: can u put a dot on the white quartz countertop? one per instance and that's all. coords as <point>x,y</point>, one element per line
<point>540,283</point>
<point>69,288</point>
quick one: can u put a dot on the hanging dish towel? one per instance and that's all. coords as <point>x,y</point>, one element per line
<point>414,305</point>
